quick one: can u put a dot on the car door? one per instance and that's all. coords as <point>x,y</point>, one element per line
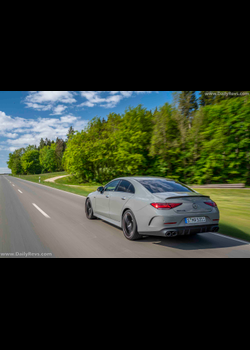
<point>102,200</point>
<point>124,191</point>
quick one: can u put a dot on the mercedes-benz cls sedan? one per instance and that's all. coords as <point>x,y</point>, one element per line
<point>153,206</point>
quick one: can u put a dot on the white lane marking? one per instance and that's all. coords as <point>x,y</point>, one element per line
<point>41,211</point>
<point>234,239</point>
<point>20,191</point>
<point>13,185</point>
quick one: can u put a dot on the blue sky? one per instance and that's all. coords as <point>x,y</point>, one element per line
<point>28,116</point>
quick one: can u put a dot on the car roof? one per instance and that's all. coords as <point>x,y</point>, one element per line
<point>144,178</point>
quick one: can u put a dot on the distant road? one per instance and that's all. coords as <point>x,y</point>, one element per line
<point>220,186</point>
<point>46,222</point>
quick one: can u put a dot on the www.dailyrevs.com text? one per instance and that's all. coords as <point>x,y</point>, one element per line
<point>25,255</point>
<point>221,93</point>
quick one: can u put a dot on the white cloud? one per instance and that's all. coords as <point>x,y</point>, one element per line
<point>10,135</point>
<point>5,170</point>
<point>126,93</point>
<point>68,119</point>
<point>39,107</point>
<point>96,98</point>
<point>47,100</point>
<point>87,103</point>
<point>50,96</point>
<point>58,110</point>
<point>6,122</point>
<point>21,132</point>
<point>55,100</point>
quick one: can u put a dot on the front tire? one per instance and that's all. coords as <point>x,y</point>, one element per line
<point>129,226</point>
<point>89,210</point>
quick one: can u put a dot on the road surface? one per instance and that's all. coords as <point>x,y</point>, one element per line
<point>39,221</point>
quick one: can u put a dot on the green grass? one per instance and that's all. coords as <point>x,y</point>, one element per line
<point>234,206</point>
<point>72,183</point>
<point>72,180</point>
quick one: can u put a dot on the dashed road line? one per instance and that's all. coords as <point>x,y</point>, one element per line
<point>41,211</point>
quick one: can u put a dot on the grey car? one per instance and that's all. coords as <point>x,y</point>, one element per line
<point>153,206</point>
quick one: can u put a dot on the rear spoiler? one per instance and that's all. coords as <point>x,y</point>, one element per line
<point>186,197</point>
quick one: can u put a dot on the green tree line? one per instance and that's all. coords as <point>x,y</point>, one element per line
<point>35,160</point>
<point>202,137</point>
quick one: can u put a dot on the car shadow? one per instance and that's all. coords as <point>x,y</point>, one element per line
<point>209,240</point>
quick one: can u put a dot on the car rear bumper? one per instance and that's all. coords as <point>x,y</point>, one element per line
<point>182,231</point>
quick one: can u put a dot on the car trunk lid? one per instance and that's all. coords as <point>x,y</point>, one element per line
<point>192,202</point>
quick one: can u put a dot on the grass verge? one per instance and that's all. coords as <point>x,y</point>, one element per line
<point>234,206</point>
<point>73,181</point>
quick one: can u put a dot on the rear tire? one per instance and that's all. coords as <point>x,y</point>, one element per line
<point>89,210</point>
<point>129,226</point>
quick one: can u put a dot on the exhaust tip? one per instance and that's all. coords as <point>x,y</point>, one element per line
<point>171,234</point>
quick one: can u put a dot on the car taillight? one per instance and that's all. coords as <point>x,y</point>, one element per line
<point>165,205</point>
<point>212,204</point>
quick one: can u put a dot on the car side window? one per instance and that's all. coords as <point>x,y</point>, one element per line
<point>112,186</point>
<point>131,189</point>
<point>125,186</point>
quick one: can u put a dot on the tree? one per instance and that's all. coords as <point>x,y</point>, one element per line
<point>42,143</point>
<point>206,98</point>
<point>47,158</point>
<point>14,162</point>
<point>76,157</point>
<point>165,142</point>
<point>59,151</point>
<point>30,162</point>
<point>133,142</point>
<point>49,163</point>
<point>113,147</point>
<point>70,133</point>
<point>188,104</point>
<point>223,134</point>
<point>47,142</point>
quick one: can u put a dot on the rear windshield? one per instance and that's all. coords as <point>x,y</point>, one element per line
<point>161,185</point>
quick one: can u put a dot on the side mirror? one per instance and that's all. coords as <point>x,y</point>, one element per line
<point>100,189</point>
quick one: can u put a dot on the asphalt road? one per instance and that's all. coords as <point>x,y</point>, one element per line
<point>39,221</point>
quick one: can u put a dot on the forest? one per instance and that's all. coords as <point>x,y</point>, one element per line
<point>201,138</point>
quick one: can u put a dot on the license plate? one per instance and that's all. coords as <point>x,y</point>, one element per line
<point>194,220</point>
